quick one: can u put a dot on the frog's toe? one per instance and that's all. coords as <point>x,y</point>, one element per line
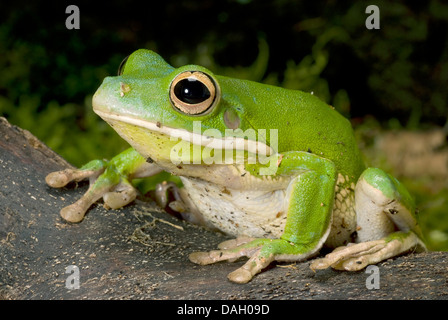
<point>254,265</point>
<point>203,258</point>
<point>162,193</point>
<point>209,257</point>
<point>123,194</point>
<point>231,244</point>
<point>320,264</point>
<point>59,179</point>
<point>75,212</point>
<point>240,276</point>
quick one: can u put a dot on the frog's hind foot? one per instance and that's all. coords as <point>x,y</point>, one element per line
<point>243,274</point>
<point>387,224</point>
<point>261,252</point>
<point>355,257</point>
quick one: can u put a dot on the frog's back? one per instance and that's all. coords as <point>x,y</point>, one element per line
<point>304,123</point>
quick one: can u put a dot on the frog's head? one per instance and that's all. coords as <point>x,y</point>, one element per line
<point>174,115</point>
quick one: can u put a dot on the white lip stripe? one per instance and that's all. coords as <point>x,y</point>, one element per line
<point>226,143</point>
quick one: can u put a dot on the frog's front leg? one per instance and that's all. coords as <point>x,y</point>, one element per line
<point>108,179</point>
<point>309,203</point>
<point>387,224</point>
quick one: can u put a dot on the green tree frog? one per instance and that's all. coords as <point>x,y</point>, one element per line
<point>277,169</point>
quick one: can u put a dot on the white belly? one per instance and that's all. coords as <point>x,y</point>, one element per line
<point>251,213</point>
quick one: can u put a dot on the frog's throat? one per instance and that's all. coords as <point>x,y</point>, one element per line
<point>224,143</point>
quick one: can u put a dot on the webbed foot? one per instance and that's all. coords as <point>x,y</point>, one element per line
<point>261,252</point>
<point>108,179</point>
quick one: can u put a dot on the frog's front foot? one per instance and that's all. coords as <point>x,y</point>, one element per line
<point>105,182</point>
<point>261,252</point>
<point>355,257</point>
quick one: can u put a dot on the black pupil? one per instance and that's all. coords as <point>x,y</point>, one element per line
<point>191,91</point>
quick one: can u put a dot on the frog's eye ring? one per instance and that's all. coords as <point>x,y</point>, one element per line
<point>122,65</point>
<point>193,93</point>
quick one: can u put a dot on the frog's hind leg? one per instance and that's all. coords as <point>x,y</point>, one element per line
<point>261,252</point>
<point>306,210</point>
<point>387,224</point>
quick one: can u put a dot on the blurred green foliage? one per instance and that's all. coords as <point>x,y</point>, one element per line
<point>397,74</point>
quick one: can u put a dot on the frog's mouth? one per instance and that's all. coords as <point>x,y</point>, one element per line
<point>195,138</point>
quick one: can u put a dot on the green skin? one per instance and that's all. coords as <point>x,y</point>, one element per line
<point>315,145</point>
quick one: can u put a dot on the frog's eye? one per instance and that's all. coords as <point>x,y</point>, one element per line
<point>193,92</point>
<point>122,65</point>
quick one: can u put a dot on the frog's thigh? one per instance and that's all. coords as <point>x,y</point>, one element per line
<point>380,213</point>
